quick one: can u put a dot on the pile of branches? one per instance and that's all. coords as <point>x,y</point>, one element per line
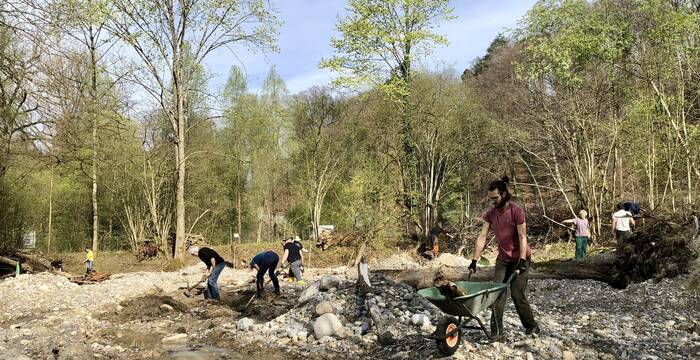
<point>146,250</point>
<point>658,249</point>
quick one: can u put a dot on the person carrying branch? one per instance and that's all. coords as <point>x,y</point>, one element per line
<point>215,264</point>
<point>508,223</point>
<point>583,233</point>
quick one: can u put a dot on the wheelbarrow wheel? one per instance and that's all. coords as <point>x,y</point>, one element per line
<point>449,335</point>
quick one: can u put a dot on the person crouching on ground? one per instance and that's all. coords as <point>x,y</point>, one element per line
<point>292,254</point>
<point>215,264</point>
<point>583,234</point>
<point>508,223</point>
<point>265,261</point>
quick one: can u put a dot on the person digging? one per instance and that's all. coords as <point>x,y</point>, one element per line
<point>265,261</point>
<point>292,255</point>
<point>215,264</point>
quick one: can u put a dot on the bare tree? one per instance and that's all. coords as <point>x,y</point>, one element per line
<point>162,33</point>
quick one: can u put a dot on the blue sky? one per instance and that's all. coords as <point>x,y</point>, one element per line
<point>309,24</point>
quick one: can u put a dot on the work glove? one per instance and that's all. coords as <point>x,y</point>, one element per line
<point>522,266</point>
<point>472,266</point>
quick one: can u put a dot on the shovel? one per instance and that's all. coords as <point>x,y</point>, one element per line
<point>189,288</point>
<point>253,297</point>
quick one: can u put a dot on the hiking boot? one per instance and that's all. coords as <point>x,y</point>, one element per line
<point>278,292</point>
<point>259,294</point>
<point>533,330</point>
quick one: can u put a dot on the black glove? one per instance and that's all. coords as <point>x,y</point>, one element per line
<point>522,266</point>
<point>472,266</point>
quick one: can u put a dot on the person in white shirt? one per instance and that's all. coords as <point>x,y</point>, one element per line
<point>622,223</point>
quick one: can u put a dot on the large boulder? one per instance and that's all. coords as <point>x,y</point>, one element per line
<point>327,325</point>
<point>328,282</point>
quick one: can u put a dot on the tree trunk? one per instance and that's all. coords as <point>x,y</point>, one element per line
<point>48,237</point>
<point>180,204</point>
<point>238,213</point>
<point>600,268</point>
<point>93,113</point>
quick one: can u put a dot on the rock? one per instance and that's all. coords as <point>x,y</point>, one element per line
<point>166,307</point>
<point>328,282</point>
<point>294,330</point>
<point>420,320</point>
<point>245,324</point>
<point>177,338</point>
<point>325,308</point>
<point>309,293</point>
<point>302,335</point>
<point>386,338</point>
<point>327,325</point>
<point>26,332</point>
<point>600,333</point>
<point>568,355</point>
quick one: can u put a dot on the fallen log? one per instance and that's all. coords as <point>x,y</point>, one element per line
<point>36,259</point>
<point>12,262</point>
<point>600,268</point>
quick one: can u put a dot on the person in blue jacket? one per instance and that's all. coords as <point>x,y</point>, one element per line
<point>265,261</point>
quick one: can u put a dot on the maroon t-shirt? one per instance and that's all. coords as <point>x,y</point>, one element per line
<point>504,225</point>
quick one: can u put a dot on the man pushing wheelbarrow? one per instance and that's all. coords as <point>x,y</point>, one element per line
<point>508,223</point>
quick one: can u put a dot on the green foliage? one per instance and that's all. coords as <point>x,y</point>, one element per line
<point>564,38</point>
<point>380,39</point>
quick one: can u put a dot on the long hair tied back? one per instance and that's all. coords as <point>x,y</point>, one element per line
<point>502,186</point>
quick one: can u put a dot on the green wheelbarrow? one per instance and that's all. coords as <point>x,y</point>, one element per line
<point>480,296</point>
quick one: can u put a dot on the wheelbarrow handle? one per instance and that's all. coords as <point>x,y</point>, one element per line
<point>512,276</point>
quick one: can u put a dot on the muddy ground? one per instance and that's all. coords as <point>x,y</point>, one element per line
<point>146,315</point>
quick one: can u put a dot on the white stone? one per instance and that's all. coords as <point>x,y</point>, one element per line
<point>327,325</point>
<point>245,324</point>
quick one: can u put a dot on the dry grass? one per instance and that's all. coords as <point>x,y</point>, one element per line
<point>123,262</point>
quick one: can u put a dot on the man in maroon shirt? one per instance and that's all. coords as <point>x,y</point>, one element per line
<point>508,223</point>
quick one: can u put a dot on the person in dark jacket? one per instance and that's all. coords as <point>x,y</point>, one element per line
<point>265,261</point>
